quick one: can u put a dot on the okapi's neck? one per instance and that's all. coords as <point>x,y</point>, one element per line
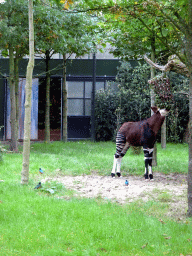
<point>156,121</point>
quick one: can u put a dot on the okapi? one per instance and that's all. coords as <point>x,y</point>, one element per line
<point>142,133</point>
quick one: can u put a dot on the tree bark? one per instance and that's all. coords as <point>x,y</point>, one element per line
<point>163,134</point>
<point>189,178</point>
<point>14,134</point>
<point>154,162</point>
<point>47,104</point>
<point>28,92</point>
<point>64,111</point>
<point>189,65</point>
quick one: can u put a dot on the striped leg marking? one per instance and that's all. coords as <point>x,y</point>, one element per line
<point>121,148</point>
<point>114,167</point>
<point>148,156</point>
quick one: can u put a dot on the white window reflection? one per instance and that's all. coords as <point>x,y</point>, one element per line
<point>79,97</point>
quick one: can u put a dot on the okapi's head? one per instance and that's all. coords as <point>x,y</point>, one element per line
<point>163,112</point>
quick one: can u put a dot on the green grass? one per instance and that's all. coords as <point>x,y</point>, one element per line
<point>40,223</point>
<point>77,158</point>
<point>35,224</point>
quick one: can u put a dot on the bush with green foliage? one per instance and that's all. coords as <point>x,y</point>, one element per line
<point>177,120</point>
<point>128,99</point>
<point>105,119</point>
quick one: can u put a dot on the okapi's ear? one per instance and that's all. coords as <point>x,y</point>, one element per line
<point>155,109</point>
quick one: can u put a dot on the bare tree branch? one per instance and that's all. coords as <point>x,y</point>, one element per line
<point>173,64</point>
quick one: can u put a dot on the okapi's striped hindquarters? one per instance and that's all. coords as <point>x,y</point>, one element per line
<point>141,133</point>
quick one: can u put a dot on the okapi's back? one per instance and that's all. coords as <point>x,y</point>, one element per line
<point>132,132</point>
<point>143,132</point>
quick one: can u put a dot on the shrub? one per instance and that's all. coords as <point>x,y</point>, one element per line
<point>105,119</point>
<point>178,117</point>
<point>128,99</point>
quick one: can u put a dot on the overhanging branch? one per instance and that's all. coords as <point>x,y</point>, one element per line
<point>173,64</point>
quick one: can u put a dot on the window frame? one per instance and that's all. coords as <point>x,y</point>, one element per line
<point>84,79</point>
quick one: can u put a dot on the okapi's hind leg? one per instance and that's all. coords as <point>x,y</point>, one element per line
<point>121,148</point>
<point>116,164</point>
<point>114,167</point>
<point>148,156</point>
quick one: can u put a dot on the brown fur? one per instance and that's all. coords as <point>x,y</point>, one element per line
<point>143,133</point>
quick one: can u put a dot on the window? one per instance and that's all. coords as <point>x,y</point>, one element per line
<point>79,92</point>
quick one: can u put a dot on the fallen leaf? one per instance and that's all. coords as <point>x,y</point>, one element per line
<point>103,249</point>
<point>162,221</point>
<point>69,249</point>
<point>142,247</point>
<point>168,237</point>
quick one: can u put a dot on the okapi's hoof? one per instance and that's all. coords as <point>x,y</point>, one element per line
<point>150,176</point>
<point>119,174</point>
<point>146,176</point>
<point>113,175</point>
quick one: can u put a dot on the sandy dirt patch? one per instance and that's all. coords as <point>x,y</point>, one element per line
<point>171,189</point>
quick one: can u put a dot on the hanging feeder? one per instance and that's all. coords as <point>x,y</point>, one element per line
<point>162,89</point>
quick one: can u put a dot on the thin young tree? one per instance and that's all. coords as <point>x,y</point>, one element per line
<point>153,103</point>
<point>28,92</point>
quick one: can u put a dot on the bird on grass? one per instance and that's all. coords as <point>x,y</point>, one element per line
<point>126,183</point>
<point>41,171</point>
<point>38,186</point>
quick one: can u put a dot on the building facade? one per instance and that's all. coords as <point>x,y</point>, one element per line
<point>79,89</point>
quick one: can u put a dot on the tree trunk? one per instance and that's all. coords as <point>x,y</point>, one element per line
<point>64,110</point>
<point>189,179</point>
<point>189,65</point>
<point>16,66</point>
<point>154,163</point>
<point>28,92</point>
<point>163,134</point>
<point>14,134</point>
<point>47,104</point>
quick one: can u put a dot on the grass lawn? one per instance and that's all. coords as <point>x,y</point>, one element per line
<point>35,222</point>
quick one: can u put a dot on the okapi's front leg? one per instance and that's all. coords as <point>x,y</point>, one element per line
<point>148,156</point>
<point>121,148</point>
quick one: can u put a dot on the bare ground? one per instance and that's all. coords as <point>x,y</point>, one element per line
<point>170,189</point>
